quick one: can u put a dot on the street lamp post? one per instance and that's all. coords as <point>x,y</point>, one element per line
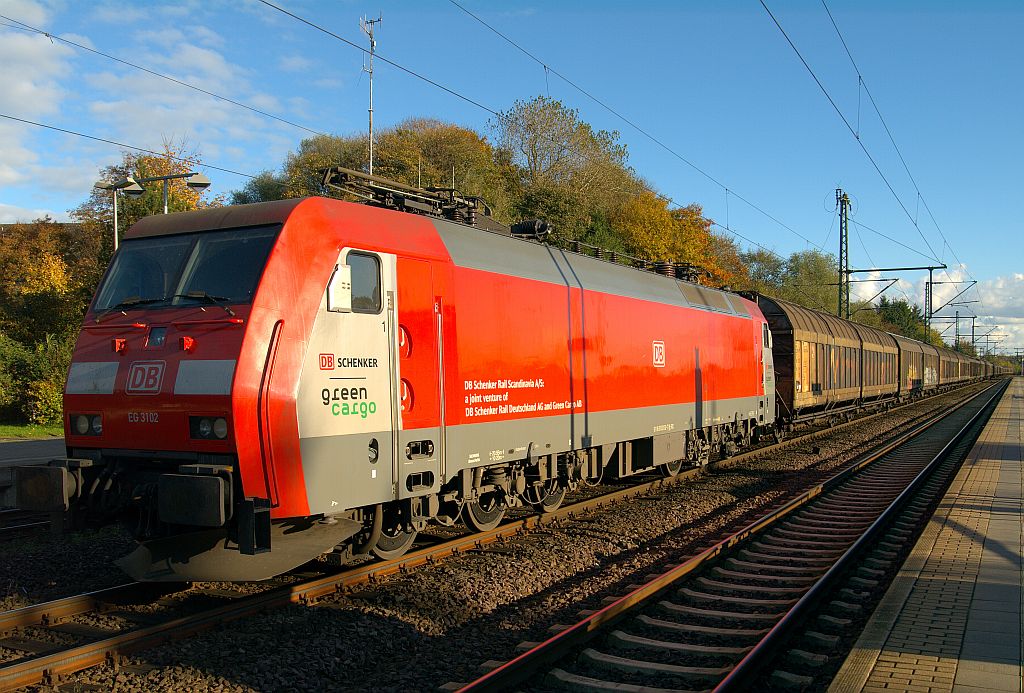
<point>196,181</point>
<point>129,185</point>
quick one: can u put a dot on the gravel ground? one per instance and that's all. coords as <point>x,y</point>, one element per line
<point>437,624</point>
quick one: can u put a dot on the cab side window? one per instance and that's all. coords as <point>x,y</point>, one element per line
<point>365,283</point>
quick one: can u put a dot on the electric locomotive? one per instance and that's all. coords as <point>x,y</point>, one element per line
<point>255,386</point>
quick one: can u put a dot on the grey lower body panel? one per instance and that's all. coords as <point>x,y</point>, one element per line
<point>340,475</point>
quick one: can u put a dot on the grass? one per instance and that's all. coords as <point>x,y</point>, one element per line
<point>31,431</point>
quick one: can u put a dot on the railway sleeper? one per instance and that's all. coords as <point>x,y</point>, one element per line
<point>629,641</point>
<point>690,611</point>
<point>829,623</point>
<point>769,543</point>
<point>824,643</point>
<point>758,577</point>
<point>773,553</point>
<point>831,522</point>
<point>803,660</point>
<point>796,545</point>
<point>702,630</point>
<point>844,609</point>
<point>846,507</point>
<point>787,680</point>
<point>745,588</point>
<point>707,597</point>
<point>607,662</point>
<point>820,509</point>
<point>863,498</point>
<point>854,596</point>
<point>562,679</point>
<point>797,529</point>
<point>795,570</point>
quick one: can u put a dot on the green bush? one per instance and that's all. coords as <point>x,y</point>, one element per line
<point>44,402</point>
<point>15,372</point>
<point>32,378</point>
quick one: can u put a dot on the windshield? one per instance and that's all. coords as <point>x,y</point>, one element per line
<point>225,265</point>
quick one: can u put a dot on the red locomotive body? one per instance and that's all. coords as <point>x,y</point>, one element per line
<point>257,385</point>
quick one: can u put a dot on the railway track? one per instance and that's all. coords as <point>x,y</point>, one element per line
<point>47,641</point>
<point>768,605</point>
<point>14,522</point>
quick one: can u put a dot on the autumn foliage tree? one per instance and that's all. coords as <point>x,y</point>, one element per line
<point>51,270</point>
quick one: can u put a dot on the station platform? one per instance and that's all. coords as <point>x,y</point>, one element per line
<point>952,619</point>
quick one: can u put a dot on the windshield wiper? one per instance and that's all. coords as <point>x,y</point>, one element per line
<point>201,295</point>
<point>128,302</point>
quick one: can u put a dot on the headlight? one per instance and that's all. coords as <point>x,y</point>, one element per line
<point>86,424</point>
<point>207,427</point>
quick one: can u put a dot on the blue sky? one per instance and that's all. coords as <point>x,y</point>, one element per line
<point>717,83</point>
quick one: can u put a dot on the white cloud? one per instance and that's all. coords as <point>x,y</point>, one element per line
<point>328,83</point>
<point>10,214</point>
<point>25,11</point>
<point>30,88</point>
<point>160,37</point>
<point>294,63</point>
<point>120,14</point>
<point>32,65</point>
<point>207,36</point>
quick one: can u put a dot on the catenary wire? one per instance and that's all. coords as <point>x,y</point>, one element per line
<point>863,83</point>
<point>853,131</point>
<point>378,56</point>
<point>126,146</point>
<point>502,116</point>
<point>53,37</point>
<point>633,125</point>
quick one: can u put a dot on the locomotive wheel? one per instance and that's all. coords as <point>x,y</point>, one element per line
<point>671,468</point>
<point>394,539</point>
<point>484,513</point>
<point>553,497</point>
<point>393,542</point>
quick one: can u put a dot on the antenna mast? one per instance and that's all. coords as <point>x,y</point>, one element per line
<point>367,26</point>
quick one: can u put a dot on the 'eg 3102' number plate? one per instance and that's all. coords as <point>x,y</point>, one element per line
<point>143,417</point>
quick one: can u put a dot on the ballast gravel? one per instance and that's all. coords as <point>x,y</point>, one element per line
<point>436,624</point>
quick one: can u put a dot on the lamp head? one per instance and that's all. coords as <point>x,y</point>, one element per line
<point>130,187</point>
<point>197,181</point>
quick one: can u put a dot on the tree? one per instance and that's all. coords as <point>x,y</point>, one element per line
<point>766,271</point>
<point>727,268</point>
<point>303,170</point>
<point>811,279</point>
<point>266,186</point>
<point>648,228</point>
<point>50,271</point>
<point>558,167</point>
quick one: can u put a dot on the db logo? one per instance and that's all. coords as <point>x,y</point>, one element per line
<point>145,378</point>
<point>327,362</point>
<point>659,354</point>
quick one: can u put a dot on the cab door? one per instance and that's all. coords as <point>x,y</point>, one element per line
<point>347,401</point>
<point>421,435</point>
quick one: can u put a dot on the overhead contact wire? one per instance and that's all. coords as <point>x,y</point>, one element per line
<point>26,27</point>
<point>853,131</point>
<point>634,125</point>
<point>892,139</point>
